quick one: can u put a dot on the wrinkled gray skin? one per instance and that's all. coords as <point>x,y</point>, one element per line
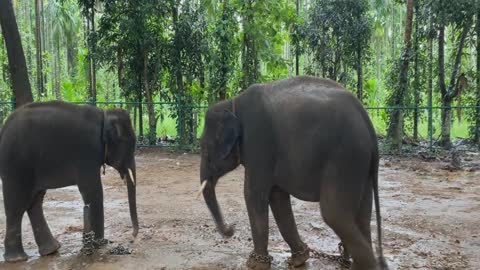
<point>305,137</point>
<point>55,144</point>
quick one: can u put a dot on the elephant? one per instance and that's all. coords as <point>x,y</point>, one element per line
<point>305,137</point>
<point>50,145</point>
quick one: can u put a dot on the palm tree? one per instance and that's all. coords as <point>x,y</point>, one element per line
<point>62,26</point>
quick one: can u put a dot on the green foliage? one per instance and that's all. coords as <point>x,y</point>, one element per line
<point>447,12</point>
<point>336,33</point>
<point>265,26</point>
<point>223,51</point>
<point>194,53</point>
<point>66,24</point>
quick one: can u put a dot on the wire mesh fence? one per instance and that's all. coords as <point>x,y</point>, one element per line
<point>426,131</point>
<point>180,126</point>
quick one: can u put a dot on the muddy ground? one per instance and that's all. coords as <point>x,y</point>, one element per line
<point>431,220</point>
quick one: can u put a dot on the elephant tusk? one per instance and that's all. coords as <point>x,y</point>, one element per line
<point>131,177</point>
<point>204,184</point>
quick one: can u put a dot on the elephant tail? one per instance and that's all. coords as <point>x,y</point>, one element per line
<point>374,177</point>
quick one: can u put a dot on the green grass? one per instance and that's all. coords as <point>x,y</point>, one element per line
<point>168,126</point>
<point>458,129</point>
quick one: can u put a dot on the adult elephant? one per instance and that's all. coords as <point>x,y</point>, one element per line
<point>48,145</point>
<point>305,137</point>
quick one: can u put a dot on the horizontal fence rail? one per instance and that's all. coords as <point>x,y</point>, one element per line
<point>180,125</point>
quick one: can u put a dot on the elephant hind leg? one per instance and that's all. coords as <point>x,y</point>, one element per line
<point>345,226</point>
<point>15,206</point>
<point>282,211</point>
<point>364,215</point>
<point>44,238</point>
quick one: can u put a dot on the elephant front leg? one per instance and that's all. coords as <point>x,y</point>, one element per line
<point>88,238</point>
<point>257,207</point>
<point>282,211</point>
<point>93,215</point>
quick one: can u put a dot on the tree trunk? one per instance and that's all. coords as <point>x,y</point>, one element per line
<point>430,88</point>
<point>42,21</point>
<point>44,47</point>
<point>58,70</point>
<point>416,83</point>
<point>18,68</point>
<point>222,87</point>
<point>476,135</point>
<point>448,96</point>
<point>359,75</point>
<point>4,63</point>
<point>38,45</point>
<point>152,123</point>
<point>395,128</point>
<point>297,47</point>
<point>120,66</point>
<point>92,59</point>
<point>394,29</point>
<point>89,55</point>
<point>183,100</point>
<point>222,92</point>
<point>442,85</point>
<point>44,34</point>
<point>134,115</point>
<point>90,20</point>
<point>140,113</point>
<point>71,57</point>
<point>249,52</point>
<point>441,60</point>
<point>28,38</point>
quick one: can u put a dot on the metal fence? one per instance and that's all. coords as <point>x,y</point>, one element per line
<point>168,133</point>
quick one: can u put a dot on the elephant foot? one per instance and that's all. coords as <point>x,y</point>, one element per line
<point>98,243</point>
<point>259,262</point>
<point>299,258</point>
<point>12,257</point>
<point>88,243</point>
<point>50,248</point>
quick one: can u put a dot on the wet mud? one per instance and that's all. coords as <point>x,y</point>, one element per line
<point>431,220</point>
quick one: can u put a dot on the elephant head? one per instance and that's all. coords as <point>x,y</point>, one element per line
<point>119,140</point>
<point>220,154</point>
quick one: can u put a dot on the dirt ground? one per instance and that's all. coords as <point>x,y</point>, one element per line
<point>431,219</point>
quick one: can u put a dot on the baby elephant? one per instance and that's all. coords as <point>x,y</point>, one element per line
<point>48,145</point>
<point>303,137</point>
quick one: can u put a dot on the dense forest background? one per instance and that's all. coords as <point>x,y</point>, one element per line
<point>166,61</point>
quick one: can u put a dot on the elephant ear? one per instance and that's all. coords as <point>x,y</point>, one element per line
<point>230,134</point>
<point>112,128</point>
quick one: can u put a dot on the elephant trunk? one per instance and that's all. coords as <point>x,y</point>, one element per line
<point>212,203</point>
<point>132,197</point>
